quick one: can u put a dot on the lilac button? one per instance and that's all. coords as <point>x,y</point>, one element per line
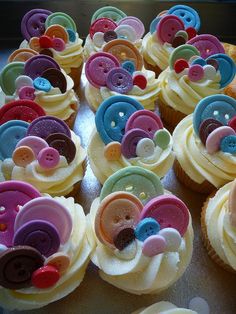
<point>154,245</point>
<point>119,80</point>
<point>48,158</point>
<point>135,23</point>
<point>26,92</point>
<point>195,72</point>
<point>35,66</point>
<point>130,141</point>
<point>34,142</point>
<point>39,234</point>
<point>58,44</point>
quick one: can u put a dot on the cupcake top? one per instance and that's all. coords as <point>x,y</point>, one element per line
<point>43,252</point>
<point>109,23</point>
<point>143,237</point>
<point>127,134</point>
<point>205,142</point>
<point>196,70</point>
<point>53,34</point>
<point>169,30</point>
<point>44,153</point>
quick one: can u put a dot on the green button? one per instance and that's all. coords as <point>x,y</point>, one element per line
<point>62,19</point>
<point>9,75</point>
<point>162,138</point>
<point>183,52</point>
<point>110,12</point>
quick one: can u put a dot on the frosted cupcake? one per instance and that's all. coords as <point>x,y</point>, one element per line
<point>109,23</point>
<point>44,250</point>
<point>143,238</point>
<point>39,78</point>
<point>45,153</point>
<point>54,34</point>
<point>119,70</point>
<point>168,30</point>
<point>205,145</point>
<point>127,135</point>
<point>164,307</point>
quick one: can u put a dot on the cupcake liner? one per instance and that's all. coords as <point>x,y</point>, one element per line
<point>153,68</point>
<point>170,116</point>
<point>75,74</point>
<point>71,120</point>
<point>76,187</point>
<point>205,187</point>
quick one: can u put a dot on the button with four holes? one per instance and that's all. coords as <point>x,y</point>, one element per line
<point>146,228</point>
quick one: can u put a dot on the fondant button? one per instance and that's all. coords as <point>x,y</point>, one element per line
<point>154,245</point>
<point>34,44</point>
<point>153,25</point>
<point>48,158</point>
<point>172,237</point>
<point>108,36</point>
<point>162,138</point>
<point>34,142</point>
<point>62,19</point>
<point>195,73</point>
<point>119,80</point>
<point>63,144</point>
<point>102,25</point>
<point>98,39</point>
<point>140,81</point>
<point>57,31</point>
<point>22,81</point>
<point>124,238</point>
<point>126,32</point>
<point>167,27</point>
<point>98,66</point>
<point>128,66</point>
<point>180,65</point>
<point>45,41</point>
<point>22,156</point>
<point>60,260</point>
<point>209,72</point>
<point>42,84</point>
<point>26,92</point>
<point>145,120</point>
<point>108,12</point>
<point>145,148</point>
<point>58,44</point>
<point>22,55</point>
<point>213,62</point>
<point>146,228</point>
<point>187,14</point>
<point>130,141</point>
<point>45,277</point>
<point>183,52</point>
<point>112,151</point>
<point>232,123</point>
<point>228,144</point>
<point>178,41</point>
<point>168,211</point>
<point>17,265</point>
<point>206,127</point>
<point>116,212</point>
<point>9,75</point>
<point>182,34</point>
<point>135,23</point>
<point>71,34</point>
<point>56,78</point>
<point>191,32</point>
<point>35,66</point>
<point>3,248</point>
<point>198,60</point>
<point>46,52</point>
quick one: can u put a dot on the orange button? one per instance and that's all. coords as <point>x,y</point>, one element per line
<point>112,151</point>
<point>34,43</point>
<point>60,261</point>
<point>22,55</point>
<point>23,155</point>
<point>57,31</point>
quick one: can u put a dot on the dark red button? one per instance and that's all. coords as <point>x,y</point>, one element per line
<point>46,52</point>
<point>110,35</point>
<point>206,127</point>
<point>140,80</point>
<point>213,62</point>
<point>180,65</point>
<point>191,31</point>
<point>124,238</point>
<point>232,123</point>
<point>178,41</point>
<point>45,277</point>
<point>56,78</point>
<point>45,41</point>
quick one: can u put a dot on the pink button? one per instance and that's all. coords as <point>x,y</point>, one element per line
<point>168,26</point>
<point>195,72</point>
<point>26,92</point>
<point>34,142</point>
<point>169,211</point>
<point>154,245</point>
<point>58,44</point>
<point>215,137</point>
<point>145,120</point>
<point>48,158</point>
<point>102,25</point>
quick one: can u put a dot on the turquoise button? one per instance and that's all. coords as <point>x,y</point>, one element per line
<point>187,14</point>
<point>72,35</point>
<point>228,144</point>
<point>153,25</point>
<point>62,19</point>
<point>9,75</point>
<point>146,228</point>
<point>199,61</point>
<point>129,66</point>
<point>43,84</point>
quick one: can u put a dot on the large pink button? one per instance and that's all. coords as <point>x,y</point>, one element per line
<point>26,92</point>
<point>48,158</point>
<point>154,245</point>
<point>168,26</point>
<point>98,66</point>
<point>215,137</point>
<point>169,211</point>
<point>34,142</point>
<point>102,25</point>
<point>195,72</point>
<point>145,120</point>
<point>130,141</point>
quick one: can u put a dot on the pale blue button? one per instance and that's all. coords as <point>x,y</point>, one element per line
<point>146,228</point>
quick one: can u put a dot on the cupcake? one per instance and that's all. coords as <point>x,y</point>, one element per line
<point>39,78</point>
<point>143,237</point>
<point>192,75</point>
<point>119,70</point>
<point>164,307</point>
<point>44,247</point>
<point>230,50</point>
<point>205,145</point>
<point>54,34</point>
<point>128,135</point>
<point>218,221</point>
<point>44,153</point>
<point>109,23</point>
<point>167,31</point>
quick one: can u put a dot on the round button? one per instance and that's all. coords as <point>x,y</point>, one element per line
<point>128,66</point>
<point>45,41</point>
<point>140,81</point>
<point>195,73</point>
<point>48,158</point>
<point>46,52</point>
<point>207,45</point>
<point>146,228</point>
<point>26,92</point>
<point>124,50</point>
<point>98,39</point>
<point>33,23</point>
<point>57,31</point>
<point>182,34</point>
<point>11,133</point>
<point>140,182</point>
<point>162,138</point>
<point>153,25</point>
<point>154,245</point>
<point>63,144</point>
<point>130,141</point>
<point>191,32</point>
<point>145,148</point>
<point>183,52</point>
<point>173,239</point>
<point>45,277</point>
<point>199,305</point>
<point>56,78</point>
<point>232,123</point>
<point>112,115</point>
<point>112,151</point>
<point>108,36</point>
<point>58,44</point>
<point>23,81</point>
<point>178,41</point>
<point>22,55</point>
<point>228,144</point>
<point>34,44</point>
<point>42,84</point>
<point>206,127</point>
<point>62,19</point>
<point>180,65</point>
<point>145,120</point>
<point>9,75</point>
<point>23,156</point>
<point>126,32</point>
<point>98,66</point>
<point>198,60</point>
<point>71,34</point>
<point>47,209</point>
<point>213,62</point>
<point>167,27</point>
<point>135,23</point>
<point>40,235</point>
<point>187,14</point>
<point>34,142</point>
<point>209,72</point>
<point>119,80</point>
<point>108,12</point>
<point>35,66</point>
<point>44,126</point>
<point>169,211</point>
<point>102,25</point>
<point>60,260</point>
<point>124,238</point>
<point>116,212</point>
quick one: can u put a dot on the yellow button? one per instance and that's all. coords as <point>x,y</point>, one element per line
<point>59,260</point>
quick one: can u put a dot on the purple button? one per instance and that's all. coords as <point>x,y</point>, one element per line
<point>33,23</point>
<point>46,125</point>
<point>48,158</point>
<point>98,66</point>
<point>130,141</point>
<point>195,72</point>
<point>119,80</point>
<point>135,23</point>
<point>26,92</point>
<point>41,235</point>
<point>34,142</point>
<point>145,120</point>
<point>35,66</point>
<point>58,44</point>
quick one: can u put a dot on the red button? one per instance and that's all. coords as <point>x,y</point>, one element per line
<point>232,123</point>
<point>45,41</point>
<point>180,65</point>
<point>45,277</point>
<point>140,80</point>
<point>191,32</point>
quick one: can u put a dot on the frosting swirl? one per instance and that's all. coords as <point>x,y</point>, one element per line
<point>164,307</point>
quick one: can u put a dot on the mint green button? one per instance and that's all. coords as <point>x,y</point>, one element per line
<point>183,52</point>
<point>62,19</point>
<point>110,12</point>
<point>9,75</point>
<point>140,182</point>
<point>162,138</point>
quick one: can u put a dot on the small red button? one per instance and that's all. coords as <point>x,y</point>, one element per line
<point>45,41</point>
<point>232,123</point>
<point>45,277</point>
<point>140,80</point>
<point>191,31</point>
<point>180,65</point>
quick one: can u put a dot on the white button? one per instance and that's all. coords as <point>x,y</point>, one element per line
<point>23,80</point>
<point>172,237</point>
<point>98,39</point>
<point>199,305</point>
<point>145,147</point>
<point>209,72</point>
<point>126,32</point>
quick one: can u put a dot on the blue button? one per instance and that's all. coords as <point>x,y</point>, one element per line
<point>228,144</point>
<point>72,35</point>
<point>187,14</point>
<point>199,61</point>
<point>153,25</point>
<point>129,66</point>
<point>146,228</point>
<point>11,133</point>
<point>43,84</point>
<point>112,116</point>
